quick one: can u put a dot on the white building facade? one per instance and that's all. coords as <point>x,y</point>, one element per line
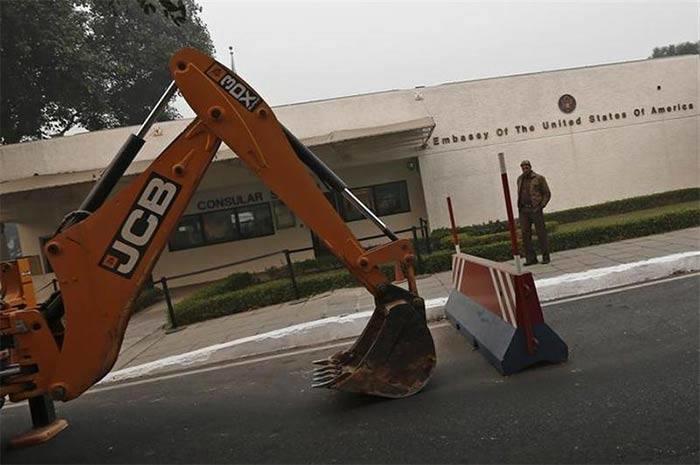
<point>597,133</point>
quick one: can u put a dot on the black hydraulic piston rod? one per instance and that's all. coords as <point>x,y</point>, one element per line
<point>329,177</point>
<point>53,307</point>
<point>102,188</point>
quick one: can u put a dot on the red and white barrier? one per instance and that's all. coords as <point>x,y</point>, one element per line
<point>495,305</point>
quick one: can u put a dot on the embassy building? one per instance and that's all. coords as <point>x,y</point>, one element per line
<point>597,133</point>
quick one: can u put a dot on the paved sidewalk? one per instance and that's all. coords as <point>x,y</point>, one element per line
<point>146,341</point>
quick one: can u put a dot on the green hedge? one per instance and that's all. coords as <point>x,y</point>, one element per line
<point>466,240</point>
<point>232,282</point>
<point>315,265</point>
<point>490,227</point>
<point>200,307</point>
<point>628,229</point>
<point>625,206</point>
<point>575,238</point>
<point>583,213</point>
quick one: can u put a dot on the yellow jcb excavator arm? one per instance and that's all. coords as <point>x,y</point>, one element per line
<point>102,259</point>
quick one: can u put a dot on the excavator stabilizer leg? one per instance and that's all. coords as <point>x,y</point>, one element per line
<point>393,357</point>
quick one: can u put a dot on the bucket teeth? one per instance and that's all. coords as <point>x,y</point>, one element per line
<point>327,369</point>
<point>326,374</point>
<point>323,383</point>
<point>324,361</point>
<point>324,380</point>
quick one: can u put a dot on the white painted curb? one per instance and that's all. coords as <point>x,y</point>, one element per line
<point>616,276</point>
<point>346,326</point>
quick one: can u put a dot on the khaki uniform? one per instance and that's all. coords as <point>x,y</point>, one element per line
<point>533,196</point>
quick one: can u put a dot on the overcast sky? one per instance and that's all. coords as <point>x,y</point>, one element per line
<point>298,51</point>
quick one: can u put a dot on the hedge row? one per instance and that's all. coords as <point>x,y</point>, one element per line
<point>199,307</point>
<point>583,213</point>
<point>635,227</point>
<point>576,238</point>
<point>232,282</point>
<point>625,206</point>
<point>467,240</point>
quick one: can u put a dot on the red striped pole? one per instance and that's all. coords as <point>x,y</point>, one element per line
<point>522,312</point>
<point>509,210</point>
<point>455,238</point>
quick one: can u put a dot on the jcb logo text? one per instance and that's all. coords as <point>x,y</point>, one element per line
<point>136,233</point>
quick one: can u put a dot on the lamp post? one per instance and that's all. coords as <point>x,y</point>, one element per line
<point>230,52</point>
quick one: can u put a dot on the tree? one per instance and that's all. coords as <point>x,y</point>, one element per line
<point>89,63</point>
<point>684,48</point>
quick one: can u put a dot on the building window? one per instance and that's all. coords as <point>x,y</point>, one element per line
<point>222,226</point>
<point>284,218</point>
<point>383,199</point>
<point>349,212</point>
<point>391,198</point>
<point>255,221</point>
<point>187,234</point>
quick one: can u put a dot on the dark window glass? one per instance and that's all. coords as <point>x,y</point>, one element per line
<point>350,213</point>
<point>391,198</point>
<point>188,233</point>
<point>220,226</point>
<point>255,220</point>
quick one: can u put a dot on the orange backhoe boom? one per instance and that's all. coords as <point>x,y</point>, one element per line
<point>103,258</point>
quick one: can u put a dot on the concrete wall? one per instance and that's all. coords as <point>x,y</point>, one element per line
<point>630,154</point>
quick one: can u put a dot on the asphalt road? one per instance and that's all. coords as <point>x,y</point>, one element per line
<point>629,394</point>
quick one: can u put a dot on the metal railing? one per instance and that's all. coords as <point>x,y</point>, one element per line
<point>163,281</point>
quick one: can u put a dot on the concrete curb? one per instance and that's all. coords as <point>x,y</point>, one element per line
<point>347,326</point>
<point>600,279</point>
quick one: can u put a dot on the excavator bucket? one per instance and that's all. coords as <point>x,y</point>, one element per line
<point>393,357</point>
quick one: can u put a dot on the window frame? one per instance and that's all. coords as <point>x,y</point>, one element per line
<point>233,211</point>
<point>339,203</point>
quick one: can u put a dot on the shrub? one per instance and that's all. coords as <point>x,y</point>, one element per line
<point>575,238</point>
<point>582,213</point>
<point>197,308</point>
<point>232,282</point>
<point>635,227</point>
<point>490,227</point>
<point>625,206</point>
<point>466,240</point>
<point>315,265</point>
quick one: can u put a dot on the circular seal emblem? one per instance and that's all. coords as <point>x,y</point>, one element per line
<point>567,103</point>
